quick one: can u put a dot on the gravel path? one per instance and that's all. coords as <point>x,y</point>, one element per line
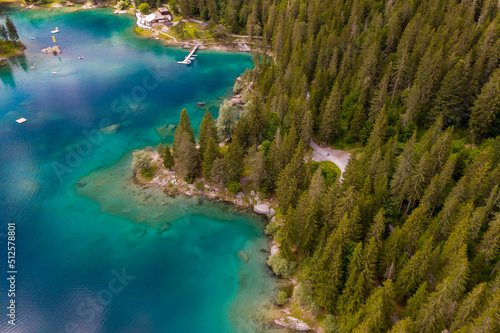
<point>339,157</point>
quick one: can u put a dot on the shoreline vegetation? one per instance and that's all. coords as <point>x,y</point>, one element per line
<point>191,33</point>
<point>217,168</point>
<point>10,45</point>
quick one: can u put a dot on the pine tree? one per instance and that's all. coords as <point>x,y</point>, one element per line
<point>187,160</point>
<point>490,244</point>
<point>469,309</point>
<point>452,99</point>
<point>168,159</point>
<point>4,34</point>
<point>416,301</point>
<point>330,119</point>
<point>306,130</point>
<point>415,271</point>
<point>233,161</point>
<point>11,28</point>
<point>160,149</point>
<point>208,130</point>
<point>211,154</point>
<point>403,170</point>
<point>378,310</point>
<point>438,309</point>
<point>485,109</point>
<point>184,127</point>
<point>353,293</point>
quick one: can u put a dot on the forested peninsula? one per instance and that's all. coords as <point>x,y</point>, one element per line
<point>408,240</point>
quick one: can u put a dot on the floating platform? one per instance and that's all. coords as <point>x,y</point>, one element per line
<point>21,120</point>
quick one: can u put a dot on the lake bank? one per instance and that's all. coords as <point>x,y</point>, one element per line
<point>71,240</point>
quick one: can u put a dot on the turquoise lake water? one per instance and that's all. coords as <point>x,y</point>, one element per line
<point>94,252</point>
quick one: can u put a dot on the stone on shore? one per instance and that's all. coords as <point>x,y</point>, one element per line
<point>52,50</point>
<point>293,323</point>
<point>274,249</point>
<point>272,211</point>
<point>261,209</point>
<point>56,5</point>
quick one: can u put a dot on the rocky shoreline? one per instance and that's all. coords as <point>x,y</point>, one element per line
<point>172,186</point>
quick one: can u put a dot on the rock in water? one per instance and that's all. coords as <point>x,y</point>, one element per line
<point>261,209</point>
<point>52,50</point>
<point>243,256</point>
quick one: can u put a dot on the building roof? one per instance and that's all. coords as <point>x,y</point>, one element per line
<point>150,18</point>
<point>162,9</point>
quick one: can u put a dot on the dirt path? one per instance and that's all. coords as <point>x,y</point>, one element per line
<point>339,157</point>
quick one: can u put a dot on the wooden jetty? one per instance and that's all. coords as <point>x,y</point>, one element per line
<point>190,57</point>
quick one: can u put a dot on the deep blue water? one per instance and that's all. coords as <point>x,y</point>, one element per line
<point>94,252</point>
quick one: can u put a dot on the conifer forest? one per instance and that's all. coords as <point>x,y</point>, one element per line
<point>408,239</point>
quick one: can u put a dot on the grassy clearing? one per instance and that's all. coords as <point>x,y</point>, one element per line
<point>329,170</point>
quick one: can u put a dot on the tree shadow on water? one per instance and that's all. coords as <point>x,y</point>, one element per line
<point>6,74</point>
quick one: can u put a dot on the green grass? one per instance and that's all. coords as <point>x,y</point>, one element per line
<point>329,170</point>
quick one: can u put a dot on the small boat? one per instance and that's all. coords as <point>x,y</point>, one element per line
<point>192,58</point>
<point>21,120</point>
<point>185,62</point>
<point>80,58</point>
<point>32,67</point>
<point>54,73</point>
<point>55,31</point>
<point>32,38</point>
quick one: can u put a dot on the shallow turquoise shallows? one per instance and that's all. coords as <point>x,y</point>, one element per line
<point>94,252</point>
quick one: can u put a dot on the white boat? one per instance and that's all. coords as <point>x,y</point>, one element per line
<point>32,38</point>
<point>185,62</point>
<point>80,58</point>
<point>21,120</point>
<point>192,58</point>
<point>55,31</point>
<point>54,73</point>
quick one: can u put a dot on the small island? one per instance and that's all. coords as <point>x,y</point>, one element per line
<point>10,45</point>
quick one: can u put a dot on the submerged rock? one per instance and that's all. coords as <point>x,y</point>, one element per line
<point>165,131</point>
<point>243,256</point>
<point>110,129</point>
<point>261,209</point>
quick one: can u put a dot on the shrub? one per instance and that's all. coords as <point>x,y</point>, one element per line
<point>199,186</point>
<point>303,294</point>
<point>121,5</point>
<point>233,187</point>
<point>141,161</point>
<point>144,8</point>
<point>188,180</point>
<point>271,228</point>
<point>282,266</point>
<point>282,298</point>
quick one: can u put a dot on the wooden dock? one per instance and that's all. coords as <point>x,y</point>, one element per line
<point>187,60</point>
